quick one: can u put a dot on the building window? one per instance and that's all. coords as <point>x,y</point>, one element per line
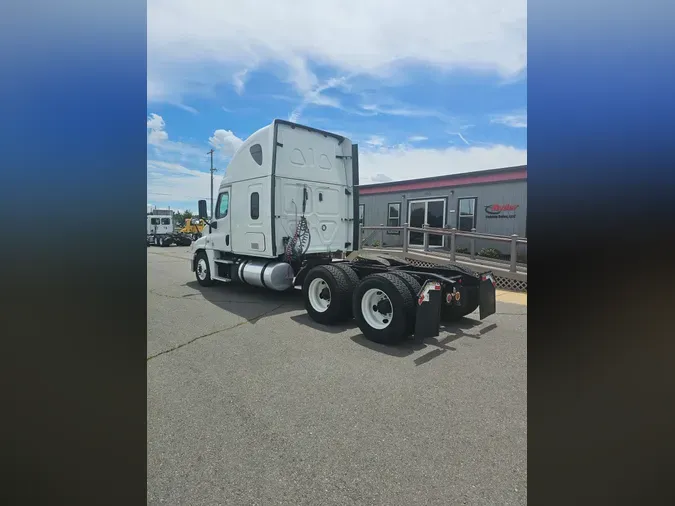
<point>166,221</point>
<point>362,213</point>
<point>154,221</point>
<point>222,205</point>
<point>256,153</point>
<point>255,205</point>
<point>394,217</point>
<point>466,215</point>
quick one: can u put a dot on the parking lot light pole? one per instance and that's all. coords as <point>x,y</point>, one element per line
<point>212,170</point>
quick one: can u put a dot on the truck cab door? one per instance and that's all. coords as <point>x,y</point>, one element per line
<point>220,236</point>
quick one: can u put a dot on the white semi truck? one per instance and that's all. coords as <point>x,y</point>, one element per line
<point>287,204</point>
<point>160,230</point>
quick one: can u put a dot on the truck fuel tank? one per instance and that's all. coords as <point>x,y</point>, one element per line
<point>270,274</point>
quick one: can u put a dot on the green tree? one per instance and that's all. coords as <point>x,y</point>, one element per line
<point>179,218</point>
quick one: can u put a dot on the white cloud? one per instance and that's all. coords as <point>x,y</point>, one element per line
<point>313,96</point>
<point>515,119</point>
<point>156,122</point>
<point>225,141</point>
<point>405,163</point>
<point>362,38</point>
<point>417,138</point>
<point>376,141</point>
<point>171,151</point>
<point>186,108</point>
<point>459,134</point>
<point>157,137</point>
<point>156,134</point>
<point>380,178</point>
<point>239,81</point>
<point>405,111</point>
<point>173,182</point>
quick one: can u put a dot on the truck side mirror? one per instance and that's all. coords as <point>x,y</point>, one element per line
<point>202,209</point>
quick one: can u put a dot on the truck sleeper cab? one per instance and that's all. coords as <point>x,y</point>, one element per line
<point>160,232</point>
<point>286,205</point>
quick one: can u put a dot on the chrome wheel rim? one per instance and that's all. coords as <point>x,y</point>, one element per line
<point>201,269</point>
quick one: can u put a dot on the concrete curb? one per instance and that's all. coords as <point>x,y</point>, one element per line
<point>512,297</point>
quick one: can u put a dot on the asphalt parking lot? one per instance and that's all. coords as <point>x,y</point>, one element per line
<point>251,403</point>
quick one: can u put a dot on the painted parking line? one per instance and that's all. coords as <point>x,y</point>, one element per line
<point>512,297</point>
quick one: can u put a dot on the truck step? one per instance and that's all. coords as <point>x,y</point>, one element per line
<point>223,280</point>
<point>221,261</point>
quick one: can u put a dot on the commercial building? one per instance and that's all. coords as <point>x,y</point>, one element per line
<point>489,201</point>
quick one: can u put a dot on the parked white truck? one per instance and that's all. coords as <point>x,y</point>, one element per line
<point>160,230</point>
<point>287,204</point>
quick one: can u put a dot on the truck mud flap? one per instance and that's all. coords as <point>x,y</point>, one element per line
<point>428,314</point>
<point>488,295</point>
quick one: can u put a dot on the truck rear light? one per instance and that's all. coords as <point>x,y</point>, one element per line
<point>452,295</point>
<point>488,278</point>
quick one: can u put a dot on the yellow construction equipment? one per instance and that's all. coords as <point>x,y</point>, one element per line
<point>193,227</point>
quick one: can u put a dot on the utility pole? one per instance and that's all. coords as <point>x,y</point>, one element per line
<point>212,171</point>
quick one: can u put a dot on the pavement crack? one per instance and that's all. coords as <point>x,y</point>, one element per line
<point>182,345</point>
<point>219,301</point>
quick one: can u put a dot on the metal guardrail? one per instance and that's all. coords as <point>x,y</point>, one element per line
<point>453,233</point>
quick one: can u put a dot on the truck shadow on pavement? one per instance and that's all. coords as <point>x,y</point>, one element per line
<point>438,345</point>
<point>253,304</point>
<point>304,319</point>
<point>249,302</point>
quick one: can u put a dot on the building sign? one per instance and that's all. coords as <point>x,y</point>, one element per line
<point>504,211</point>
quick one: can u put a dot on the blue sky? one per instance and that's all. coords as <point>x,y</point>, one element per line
<point>426,88</point>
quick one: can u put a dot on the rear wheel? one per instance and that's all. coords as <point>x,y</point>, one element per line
<point>352,279</point>
<point>326,292</point>
<point>383,307</point>
<point>415,288</point>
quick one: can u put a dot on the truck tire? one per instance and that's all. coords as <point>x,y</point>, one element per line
<point>383,307</point>
<point>202,270</point>
<point>415,288</point>
<point>327,293</point>
<point>353,279</point>
<point>454,313</point>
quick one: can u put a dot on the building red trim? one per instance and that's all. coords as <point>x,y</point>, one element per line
<point>448,182</point>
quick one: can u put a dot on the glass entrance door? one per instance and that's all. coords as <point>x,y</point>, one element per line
<point>436,219</point>
<point>416,219</point>
<point>431,212</point>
